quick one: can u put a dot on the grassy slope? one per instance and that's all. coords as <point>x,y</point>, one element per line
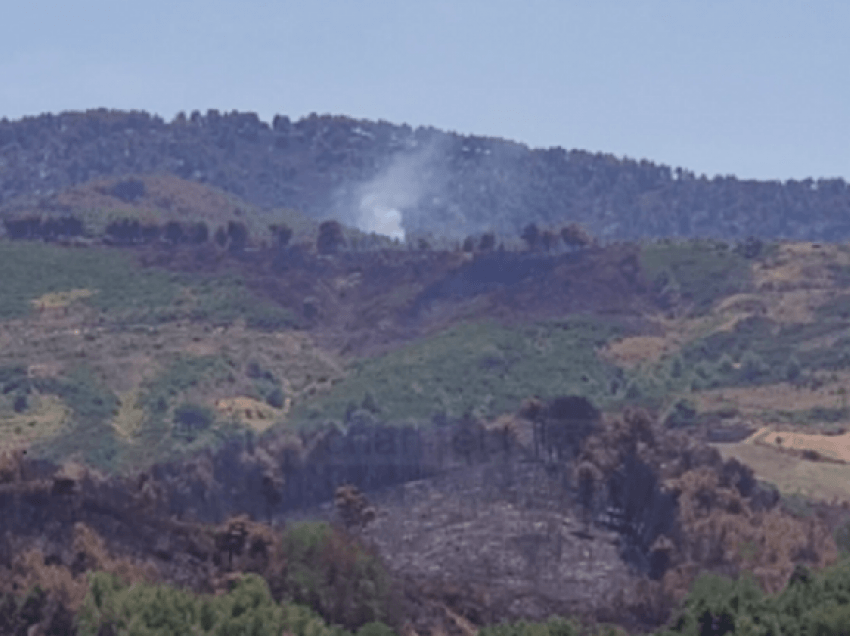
<point>711,344</point>
<point>107,319</point>
<point>117,287</point>
<point>482,368</point>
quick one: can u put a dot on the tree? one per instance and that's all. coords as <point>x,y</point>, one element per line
<point>237,233</point>
<point>128,190</point>
<point>683,413</point>
<point>488,242</point>
<point>588,476</point>
<point>793,368</point>
<point>198,233</point>
<point>192,418</point>
<point>174,233</point>
<point>282,234</point>
<point>548,240</point>
<point>753,367</point>
<point>331,238</point>
<point>220,237</point>
<point>531,235</point>
<point>574,235</point>
<point>25,228</point>
<point>150,232</point>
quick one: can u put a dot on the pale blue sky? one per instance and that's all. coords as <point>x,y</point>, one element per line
<point>760,89</point>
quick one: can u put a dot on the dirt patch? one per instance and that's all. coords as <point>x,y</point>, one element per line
<point>130,415</point>
<point>835,447</point>
<point>56,300</point>
<point>163,198</point>
<point>258,415</point>
<point>773,397</point>
<point>45,417</point>
<point>126,359</point>
<point>800,266</point>
<point>631,352</point>
<point>824,481</point>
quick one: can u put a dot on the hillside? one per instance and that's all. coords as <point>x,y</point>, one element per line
<point>442,183</point>
<point>167,384</point>
<point>530,429</point>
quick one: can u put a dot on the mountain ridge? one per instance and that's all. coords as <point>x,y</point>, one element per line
<point>440,183</point>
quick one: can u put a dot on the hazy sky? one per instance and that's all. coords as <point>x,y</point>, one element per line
<point>757,89</point>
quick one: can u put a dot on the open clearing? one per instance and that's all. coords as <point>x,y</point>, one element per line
<point>825,481</point>
<point>782,396</point>
<point>789,471</point>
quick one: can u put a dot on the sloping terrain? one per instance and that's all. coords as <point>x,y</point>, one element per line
<point>161,388</point>
<point>444,184</point>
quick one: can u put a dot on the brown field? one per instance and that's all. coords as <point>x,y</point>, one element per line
<point>834,447</point>
<point>782,463</point>
<point>774,397</point>
<point>253,413</point>
<point>630,352</point>
<point>800,266</point>
<point>825,481</point>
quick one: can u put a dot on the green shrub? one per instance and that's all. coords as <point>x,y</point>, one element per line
<point>185,373</point>
<point>753,367</point>
<point>88,434</point>
<point>375,629</point>
<point>248,609</point>
<point>718,605</point>
<point>555,626</point>
<point>793,369</point>
<point>829,620</point>
<point>681,414</point>
<point>191,418</point>
<point>697,271</point>
<point>336,577</point>
<point>276,398</point>
<point>478,367</point>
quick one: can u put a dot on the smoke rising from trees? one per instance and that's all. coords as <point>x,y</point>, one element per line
<point>387,203</point>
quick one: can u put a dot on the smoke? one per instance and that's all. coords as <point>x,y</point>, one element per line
<point>389,202</point>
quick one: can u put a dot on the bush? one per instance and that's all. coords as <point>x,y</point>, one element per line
<point>681,414</point>
<point>717,605</point>
<point>842,537</point>
<point>276,398</point>
<point>160,610</point>
<point>829,620</point>
<point>191,418</point>
<point>483,367</point>
<point>555,626</point>
<point>753,367</point>
<point>792,369</point>
<point>335,576</point>
<point>375,629</point>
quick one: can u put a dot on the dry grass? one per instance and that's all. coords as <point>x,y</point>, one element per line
<point>774,397</point>
<point>835,447</point>
<point>631,352</point>
<point>130,415</point>
<point>253,413</point>
<point>45,417</point>
<point>166,198</point>
<point>791,474</point>
<point>56,300</point>
<point>128,359</point>
<point>800,266</point>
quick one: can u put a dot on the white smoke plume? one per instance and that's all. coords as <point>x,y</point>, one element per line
<point>382,203</point>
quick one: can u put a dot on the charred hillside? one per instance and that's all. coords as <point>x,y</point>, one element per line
<point>334,166</point>
<point>561,510</point>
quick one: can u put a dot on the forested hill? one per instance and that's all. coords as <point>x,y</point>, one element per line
<point>442,182</point>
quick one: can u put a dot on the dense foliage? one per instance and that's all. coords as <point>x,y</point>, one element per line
<point>480,368</point>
